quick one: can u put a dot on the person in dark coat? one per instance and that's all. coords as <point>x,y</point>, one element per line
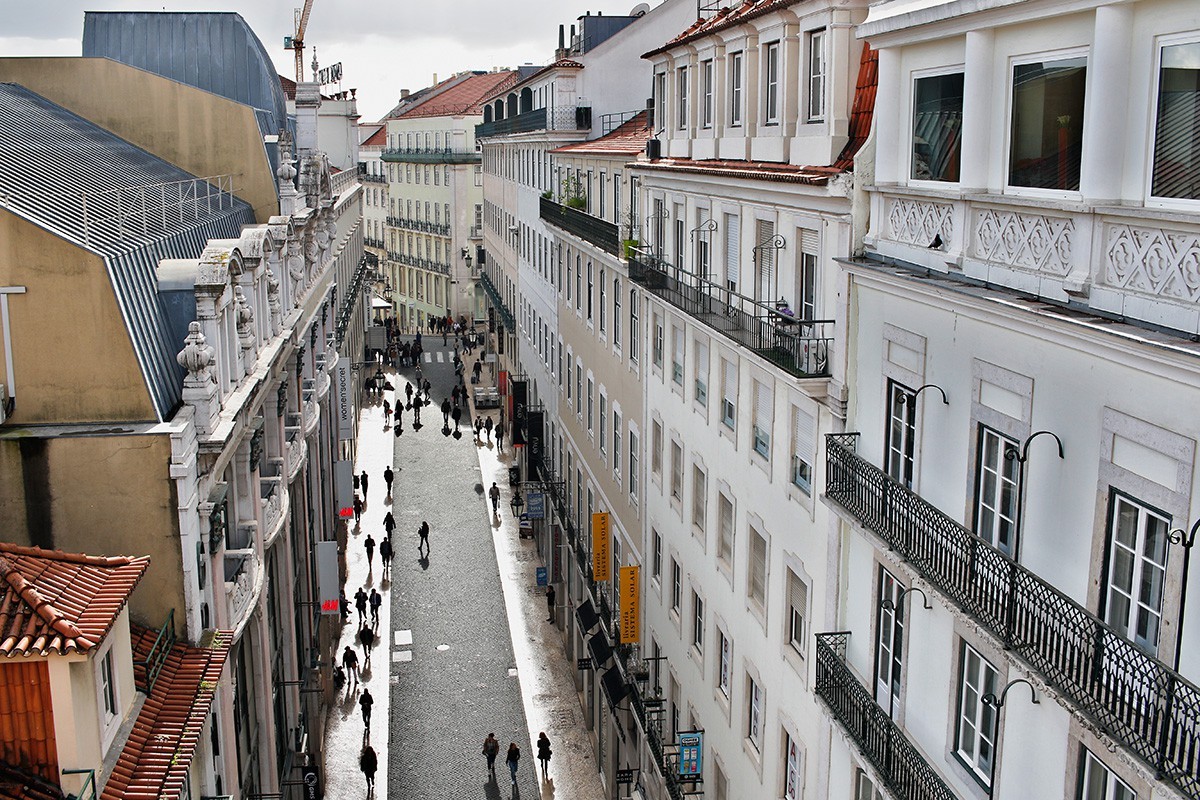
<point>375,602</point>
<point>360,602</point>
<point>491,749</point>
<point>368,762</point>
<point>365,702</point>
<point>446,412</point>
<point>358,508</point>
<point>385,554</point>
<point>487,427</point>
<point>544,753</point>
<point>389,476</point>
<point>423,532</point>
<point>389,523</point>
<point>513,757</point>
<point>369,544</point>
<point>499,436</point>
<point>456,415</point>
<point>363,480</point>
<point>366,637</point>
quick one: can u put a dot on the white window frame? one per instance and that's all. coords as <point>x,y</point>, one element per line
<point>754,712</point>
<point>1094,771</point>
<point>681,98</point>
<point>974,735</point>
<point>817,69</point>
<point>737,77</point>
<point>724,662</point>
<point>990,502</point>
<point>1152,200</point>
<point>1141,565</point>
<point>793,776</point>
<point>803,449</point>
<point>706,107</point>
<point>697,622</point>
<point>889,643</point>
<point>699,498</point>
<point>900,453</point>
<point>771,84</point>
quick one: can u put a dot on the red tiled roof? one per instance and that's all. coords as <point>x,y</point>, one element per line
<point>56,602</point>
<point>562,63</point>
<point>18,785</point>
<point>163,741</point>
<point>752,170</point>
<point>864,107</point>
<point>727,17</point>
<point>376,139</point>
<point>627,139</point>
<point>458,98</point>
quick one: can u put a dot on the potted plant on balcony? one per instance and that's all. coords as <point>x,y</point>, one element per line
<point>629,235</point>
<point>572,193</point>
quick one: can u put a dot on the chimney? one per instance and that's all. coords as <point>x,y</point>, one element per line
<point>404,93</point>
<point>435,79</point>
<point>561,52</point>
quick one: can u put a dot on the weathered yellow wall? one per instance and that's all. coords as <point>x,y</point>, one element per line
<point>101,495</point>
<point>200,132</point>
<point>72,355</point>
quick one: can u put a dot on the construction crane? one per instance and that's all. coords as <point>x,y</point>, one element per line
<point>295,42</point>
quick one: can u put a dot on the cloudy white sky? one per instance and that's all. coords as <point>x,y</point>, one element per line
<point>384,45</point>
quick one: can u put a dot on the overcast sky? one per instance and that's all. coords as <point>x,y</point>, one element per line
<point>384,45</point>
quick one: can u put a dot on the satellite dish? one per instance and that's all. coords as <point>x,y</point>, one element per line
<point>639,9</point>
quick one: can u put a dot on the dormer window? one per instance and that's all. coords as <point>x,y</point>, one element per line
<point>771,84</point>
<point>735,89</point>
<point>816,76</point>
<point>1046,144</point>
<point>1176,166</point>
<point>682,95</point>
<point>937,127</point>
<point>706,107</point>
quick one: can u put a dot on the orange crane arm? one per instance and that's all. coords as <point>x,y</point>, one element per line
<point>298,39</point>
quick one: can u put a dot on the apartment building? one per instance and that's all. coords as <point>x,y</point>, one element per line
<point>435,200</point>
<point>1017,490</point>
<point>373,173</point>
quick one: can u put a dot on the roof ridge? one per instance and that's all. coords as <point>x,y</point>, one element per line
<point>29,593</point>
<point>74,558</point>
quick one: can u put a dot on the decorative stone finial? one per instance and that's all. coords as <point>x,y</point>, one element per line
<point>245,319</point>
<point>197,356</point>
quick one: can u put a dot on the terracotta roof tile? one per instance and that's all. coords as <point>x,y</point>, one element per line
<point>727,17</point>
<point>752,170</point>
<point>376,139</point>
<point>628,138</point>
<point>56,602</point>
<point>460,97</point>
<point>864,107</point>
<point>163,741</point>
<point>18,785</point>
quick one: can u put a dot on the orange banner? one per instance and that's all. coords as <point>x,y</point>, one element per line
<point>601,547</point>
<point>631,610</point>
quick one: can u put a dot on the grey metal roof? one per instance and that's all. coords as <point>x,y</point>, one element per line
<point>214,51</point>
<point>50,159</point>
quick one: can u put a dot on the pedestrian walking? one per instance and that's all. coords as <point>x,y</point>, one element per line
<point>388,477</point>
<point>544,753</point>
<point>363,480</point>
<point>491,749</point>
<point>499,436</point>
<point>369,544</point>
<point>344,604</point>
<point>389,523</point>
<point>408,390</point>
<point>494,493</point>
<point>385,554</point>
<point>368,762</point>
<point>358,509</point>
<point>427,386</point>
<point>366,637</point>
<point>478,428</point>
<point>360,602</point>
<point>375,602</point>
<point>550,603</point>
<point>454,396</point>
<point>476,370</point>
<point>446,412</point>
<point>365,702</point>
<point>456,415</point>
<point>514,756</point>
<point>423,532</point>
<point>487,426</point>
<point>387,412</point>
<point>350,662</point>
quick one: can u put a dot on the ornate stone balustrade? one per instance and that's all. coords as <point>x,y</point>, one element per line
<point>296,452</point>
<point>242,575</point>
<point>274,504</point>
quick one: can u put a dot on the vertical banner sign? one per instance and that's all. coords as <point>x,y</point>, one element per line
<point>601,547</point>
<point>536,435</point>
<point>556,556</point>
<point>345,405</point>
<point>520,413</point>
<point>502,382</point>
<point>631,612</point>
<point>343,488</point>
<point>327,578</point>
<point>691,754</point>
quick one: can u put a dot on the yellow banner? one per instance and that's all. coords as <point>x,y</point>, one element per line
<point>601,547</point>
<point>631,612</point>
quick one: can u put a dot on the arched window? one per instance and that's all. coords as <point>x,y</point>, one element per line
<point>499,110</point>
<point>526,100</point>
<point>487,113</point>
<point>511,102</point>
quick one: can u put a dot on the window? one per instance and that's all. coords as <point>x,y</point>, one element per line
<point>901,433</point>
<point>803,449</point>
<point>754,713</point>
<point>699,497</point>
<point>864,787</point>
<point>797,597</point>
<point>764,253</point>
<point>976,719</point>
<point>996,492</point>
<point>616,446</point>
<point>680,236</point>
<point>616,331</point>
<point>762,419</point>
<point>726,662</point>
<point>590,407</point>
<point>589,293</point>
<point>1097,782</point>
<point>656,447</point>
<point>698,622</point>
<point>706,106</point>
<point>889,643</point>
<point>603,194</point>
<point>633,465</point>
<point>937,125</point>
<point>108,686</point>
<point>791,769</point>
<point>657,355</point>
<point>735,89</point>
<point>660,100</point>
<point>1137,567</point>
<point>816,76</point>
<point>676,585</point>
<point>681,84</point>
<point>676,471</point>
<point>656,560</point>
<point>634,333</point>
<point>806,277</point>
<point>677,355</point>
<point>579,389</point>
<point>1176,167</point>
<point>700,349</point>
<point>702,247</point>
<point>602,419</point>
<point>756,583</point>
<point>724,528</point>
<point>722,783</point>
<point>729,394</point>
<point>771,84</point>
<point>1047,124</point>
<point>732,250</point>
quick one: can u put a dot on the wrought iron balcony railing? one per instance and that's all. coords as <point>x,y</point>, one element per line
<point>494,298</point>
<point>1136,699</point>
<point>420,225</point>
<point>901,766</point>
<point>421,263</point>
<point>371,177</point>
<point>430,155</point>
<point>797,346</point>
<point>591,229</point>
<point>565,118</point>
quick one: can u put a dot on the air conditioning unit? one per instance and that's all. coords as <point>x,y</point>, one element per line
<point>653,149</point>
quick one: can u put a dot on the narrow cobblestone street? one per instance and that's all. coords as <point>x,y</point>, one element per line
<point>463,646</point>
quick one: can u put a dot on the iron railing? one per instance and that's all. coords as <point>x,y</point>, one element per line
<point>610,122</point>
<point>1136,699</point>
<point>430,155</point>
<point>582,224</point>
<point>900,765</point>
<point>422,263</point>
<point>489,288</point>
<point>564,118</point>
<point>88,790</point>
<point>419,225</point>
<point>153,208</point>
<point>371,177</point>
<point>795,345</point>
<point>153,663</point>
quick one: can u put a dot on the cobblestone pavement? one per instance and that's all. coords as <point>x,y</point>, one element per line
<point>466,645</point>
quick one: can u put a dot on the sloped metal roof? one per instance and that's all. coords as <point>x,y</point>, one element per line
<point>90,187</point>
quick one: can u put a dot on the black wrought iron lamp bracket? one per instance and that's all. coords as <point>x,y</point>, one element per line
<point>1022,455</point>
<point>912,398</point>
<point>903,593</point>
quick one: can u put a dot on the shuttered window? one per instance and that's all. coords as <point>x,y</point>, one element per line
<point>729,395</point>
<point>803,445</point>
<point>677,355</point>
<point>732,250</point>
<point>765,261</point>
<point>724,528</point>
<point>757,569</point>
<point>762,419</point>
<point>797,622</point>
<point>701,350</point>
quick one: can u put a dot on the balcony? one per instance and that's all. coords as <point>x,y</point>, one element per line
<point>797,346</point>
<point>421,263</point>
<point>579,223</point>
<point>295,448</point>
<point>241,586</point>
<point>489,288</point>
<point>567,118</point>
<point>273,498</point>
<point>1135,698</point>
<point>476,232</point>
<point>376,243</point>
<point>431,155</point>
<point>420,225</point>
<point>900,765</point>
<point>344,181</point>
<point>371,177</point>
